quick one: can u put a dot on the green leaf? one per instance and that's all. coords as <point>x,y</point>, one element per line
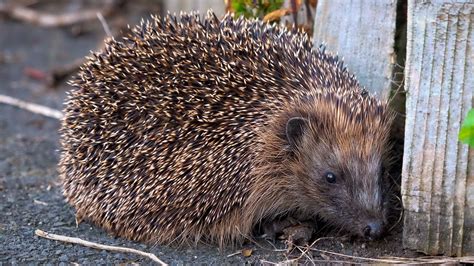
<point>252,8</point>
<point>466,135</point>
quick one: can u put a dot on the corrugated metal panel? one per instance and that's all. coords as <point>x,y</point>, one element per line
<point>438,171</point>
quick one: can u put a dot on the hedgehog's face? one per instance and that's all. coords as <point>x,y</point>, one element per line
<point>340,173</point>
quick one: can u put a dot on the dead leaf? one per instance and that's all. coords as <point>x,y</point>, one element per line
<point>34,73</point>
<point>276,15</point>
<point>246,252</point>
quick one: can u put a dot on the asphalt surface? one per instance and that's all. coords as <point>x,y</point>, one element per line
<point>30,192</point>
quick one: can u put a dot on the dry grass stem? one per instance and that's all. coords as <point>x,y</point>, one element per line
<point>235,253</point>
<point>393,260</point>
<point>356,257</point>
<point>75,240</point>
<point>434,259</point>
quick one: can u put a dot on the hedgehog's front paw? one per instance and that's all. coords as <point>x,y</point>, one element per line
<point>273,230</point>
<point>289,229</point>
<point>298,234</point>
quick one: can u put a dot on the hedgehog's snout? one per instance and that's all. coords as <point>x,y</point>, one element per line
<point>373,229</point>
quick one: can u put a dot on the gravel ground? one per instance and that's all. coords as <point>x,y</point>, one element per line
<point>30,194</point>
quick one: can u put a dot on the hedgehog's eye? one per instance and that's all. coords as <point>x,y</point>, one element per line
<point>330,177</point>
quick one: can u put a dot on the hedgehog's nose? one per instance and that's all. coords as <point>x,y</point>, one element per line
<point>373,230</point>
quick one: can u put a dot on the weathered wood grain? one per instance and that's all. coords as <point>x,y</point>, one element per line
<point>438,171</point>
<point>363,32</point>
<point>176,6</point>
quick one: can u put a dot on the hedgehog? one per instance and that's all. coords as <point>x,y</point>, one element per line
<point>195,129</point>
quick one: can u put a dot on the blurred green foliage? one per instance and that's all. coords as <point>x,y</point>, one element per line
<point>466,134</point>
<point>255,8</point>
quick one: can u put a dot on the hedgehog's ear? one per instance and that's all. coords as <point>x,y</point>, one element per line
<point>295,128</point>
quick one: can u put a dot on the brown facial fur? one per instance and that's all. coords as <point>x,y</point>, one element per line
<point>177,133</point>
<point>347,135</point>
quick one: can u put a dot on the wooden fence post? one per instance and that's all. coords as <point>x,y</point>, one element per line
<point>363,32</point>
<point>438,171</point>
<point>176,6</point>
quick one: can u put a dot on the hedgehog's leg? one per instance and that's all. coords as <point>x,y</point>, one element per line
<point>288,228</point>
<point>298,234</point>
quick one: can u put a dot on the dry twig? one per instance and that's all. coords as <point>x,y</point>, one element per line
<point>39,202</point>
<point>235,253</point>
<point>392,260</point>
<point>32,16</point>
<point>104,24</point>
<point>75,240</point>
<point>32,107</point>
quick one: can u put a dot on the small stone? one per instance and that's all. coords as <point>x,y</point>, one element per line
<point>57,224</point>
<point>64,258</point>
<point>324,256</point>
